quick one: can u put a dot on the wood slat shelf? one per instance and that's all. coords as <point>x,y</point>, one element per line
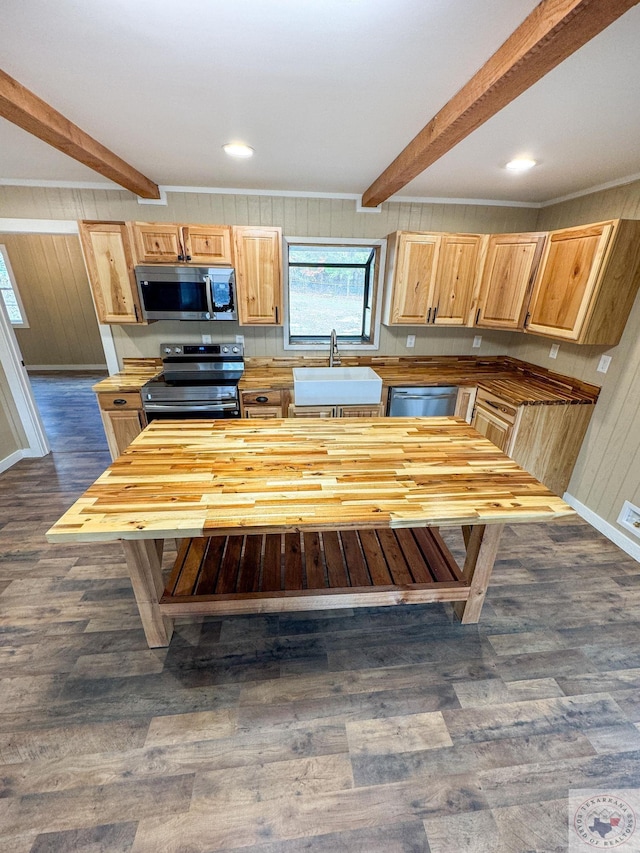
<point>277,572</point>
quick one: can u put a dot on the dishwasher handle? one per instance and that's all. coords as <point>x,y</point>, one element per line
<point>401,396</point>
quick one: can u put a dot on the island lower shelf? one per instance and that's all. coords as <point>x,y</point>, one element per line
<point>279,572</point>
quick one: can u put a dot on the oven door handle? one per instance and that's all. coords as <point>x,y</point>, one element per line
<point>190,407</point>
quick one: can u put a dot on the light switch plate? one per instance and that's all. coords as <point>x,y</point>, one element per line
<point>411,341</point>
<point>603,364</point>
<point>206,339</point>
<point>477,340</point>
<point>239,339</point>
<point>553,352</point>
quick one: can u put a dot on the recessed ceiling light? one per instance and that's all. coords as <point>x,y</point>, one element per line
<point>520,164</point>
<point>238,149</point>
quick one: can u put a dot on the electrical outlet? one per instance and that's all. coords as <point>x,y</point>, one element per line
<point>239,339</point>
<point>206,339</point>
<point>603,364</point>
<point>553,352</point>
<point>477,340</point>
<point>630,518</point>
<point>411,341</point>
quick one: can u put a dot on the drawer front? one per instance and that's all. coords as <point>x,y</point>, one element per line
<point>115,402</point>
<point>262,398</point>
<point>492,403</point>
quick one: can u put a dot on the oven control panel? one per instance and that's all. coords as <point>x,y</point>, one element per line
<point>198,350</point>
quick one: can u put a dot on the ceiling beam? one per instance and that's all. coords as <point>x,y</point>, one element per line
<point>552,32</point>
<point>34,115</point>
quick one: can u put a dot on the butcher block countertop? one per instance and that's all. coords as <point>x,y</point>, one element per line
<point>191,478</point>
<point>516,382</point>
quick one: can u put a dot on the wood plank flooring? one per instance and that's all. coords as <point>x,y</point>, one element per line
<point>351,731</point>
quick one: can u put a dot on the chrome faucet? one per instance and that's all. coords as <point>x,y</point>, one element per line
<point>334,355</point>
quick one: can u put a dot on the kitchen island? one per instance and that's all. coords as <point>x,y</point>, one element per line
<point>266,491</point>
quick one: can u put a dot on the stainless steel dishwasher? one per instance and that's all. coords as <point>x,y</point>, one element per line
<point>425,402</point>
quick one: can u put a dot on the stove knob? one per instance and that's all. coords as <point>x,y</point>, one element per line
<point>235,349</point>
<point>167,350</point>
<point>225,349</point>
<point>177,350</point>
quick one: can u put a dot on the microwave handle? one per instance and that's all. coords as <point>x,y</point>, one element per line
<point>209,289</point>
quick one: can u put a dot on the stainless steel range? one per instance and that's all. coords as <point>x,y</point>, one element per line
<point>198,381</point>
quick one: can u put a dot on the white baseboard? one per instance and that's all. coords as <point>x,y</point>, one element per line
<point>11,460</point>
<point>66,367</point>
<point>604,527</point>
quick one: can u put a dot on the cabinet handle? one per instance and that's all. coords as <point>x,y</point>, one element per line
<point>262,399</point>
<point>277,314</point>
<point>478,316</point>
<point>526,319</point>
<point>135,311</point>
<point>429,315</point>
<point>187,257</point>
<point>181,257</point>
<point>119,402</point>
<point>435,314</point>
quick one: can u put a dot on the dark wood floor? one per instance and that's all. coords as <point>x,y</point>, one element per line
<point>394,730</point>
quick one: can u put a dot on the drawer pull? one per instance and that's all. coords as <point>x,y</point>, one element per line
<point>262,399</point>
<point>119,402</point>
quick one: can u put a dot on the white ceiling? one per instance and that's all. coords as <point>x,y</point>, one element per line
<point>328,93</point>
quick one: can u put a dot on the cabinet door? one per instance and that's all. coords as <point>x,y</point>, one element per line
<point>455,279</point>
<point>568,279</point>
<point>492,427</point>
<point>158,242</point>
<point>208,244</point>
<point>259,275</point>
<point>511,263</point>
<point>121,428</point>
<point>375,411</point>
<point>465,402</point>
<point>414,271</point>
<point>107,253</point>
<point>311,411</point>
<point>269,412</point>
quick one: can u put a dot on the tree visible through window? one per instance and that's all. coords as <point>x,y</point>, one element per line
<point>9,292</point>
<point>331,287</point>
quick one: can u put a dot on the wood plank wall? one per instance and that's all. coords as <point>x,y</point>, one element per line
<point>53,284</point>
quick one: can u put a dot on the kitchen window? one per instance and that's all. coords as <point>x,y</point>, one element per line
<point>333,285</point>
<point>9,291</point>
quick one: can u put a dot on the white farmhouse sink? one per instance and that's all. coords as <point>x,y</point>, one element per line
<point>336,386</point>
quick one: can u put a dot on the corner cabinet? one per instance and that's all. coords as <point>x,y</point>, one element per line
<point>431,278</point>
<point>509,268</point>
<point>588,280</point>
<point>258,263</point>
<point>108,256</point>
<point>162,243</point>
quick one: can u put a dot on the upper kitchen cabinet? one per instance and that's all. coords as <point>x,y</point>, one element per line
<point>161,243</point>
<point>107,253</point>
<point>509,268</point>
<point>588,280</point>
<point>431,278</point>
<point>258,275</point>
<point>455,280</point>
<point>410,278</point>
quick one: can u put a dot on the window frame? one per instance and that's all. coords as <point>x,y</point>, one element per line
<point>14,286</point>
<point>379,246</point>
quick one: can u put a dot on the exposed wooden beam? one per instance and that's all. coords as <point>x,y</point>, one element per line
<point>552,32</point>
<point>34,115</point>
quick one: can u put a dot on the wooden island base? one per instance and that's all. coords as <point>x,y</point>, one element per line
<point>279,572</point>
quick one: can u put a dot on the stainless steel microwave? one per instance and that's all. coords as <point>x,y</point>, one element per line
<point>187,293</point>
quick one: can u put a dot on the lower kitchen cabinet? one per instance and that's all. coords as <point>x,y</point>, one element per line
<point>465,402</point>
<point>123,419</point>
<point>373,411</point>
<point>543,439</point>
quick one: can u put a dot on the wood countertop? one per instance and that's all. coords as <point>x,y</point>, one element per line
<point>517,382</point>
<point>193,478</point>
